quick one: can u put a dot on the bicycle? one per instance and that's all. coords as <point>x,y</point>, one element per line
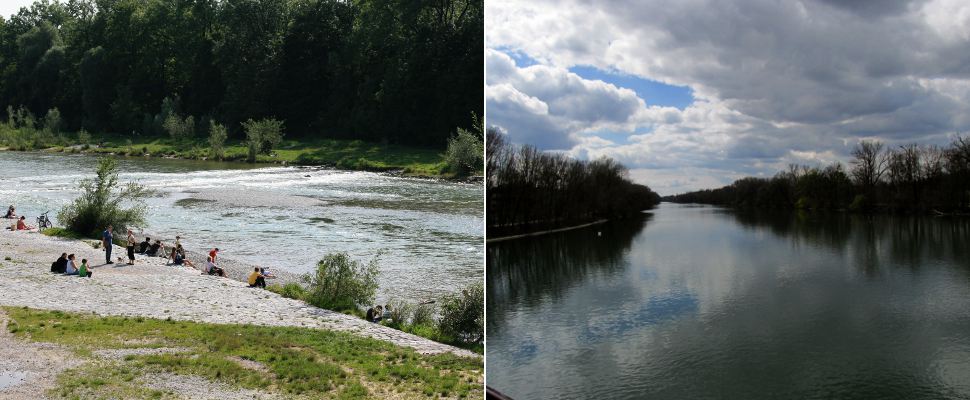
<point>43,221</point>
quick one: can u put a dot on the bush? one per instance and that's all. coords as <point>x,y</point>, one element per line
<point>465,153</point>
<point>462,316</point>
<point>217,140</point>
<point>100,203</point>
<point>341,283</point>
<point>289,290</point>
<point>423,314</point>
<point>262,136</point>
<point>83,137</point>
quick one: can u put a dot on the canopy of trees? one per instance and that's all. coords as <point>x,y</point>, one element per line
<point>906,178</point>
<point>407,72</point>
<point>528,189</point>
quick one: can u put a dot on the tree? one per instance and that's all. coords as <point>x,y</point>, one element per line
<point>217,140</point>
<point>262,136</point>
<point>102,202</point>
<point>869,164</point>
<point>341,283</point>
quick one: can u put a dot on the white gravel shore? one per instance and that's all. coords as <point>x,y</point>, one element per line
<point>152,289</point>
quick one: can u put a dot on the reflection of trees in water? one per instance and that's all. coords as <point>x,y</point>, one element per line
<point>872,240</point>
<point>532,269</point>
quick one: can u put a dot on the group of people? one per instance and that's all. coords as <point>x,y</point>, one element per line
<point>66,265</point>
<point>21,224</point>
<point>378,313</point>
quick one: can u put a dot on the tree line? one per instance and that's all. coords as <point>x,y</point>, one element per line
<point>391,71</point>
<point>908,178</point>
<point>528,189</point>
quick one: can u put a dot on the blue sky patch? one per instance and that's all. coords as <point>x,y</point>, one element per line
<point>653,92</point>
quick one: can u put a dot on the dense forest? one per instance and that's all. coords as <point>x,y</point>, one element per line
<point>391,71</point>
<point>529,190</point>
<point>908,178</point>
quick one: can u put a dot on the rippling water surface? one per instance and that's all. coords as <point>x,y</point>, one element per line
<point>704,303</point>
<point>429,233</point>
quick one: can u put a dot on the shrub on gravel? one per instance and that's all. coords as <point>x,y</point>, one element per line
<point>341,283</point>
<point>463,316</point>
<point>103,202</point>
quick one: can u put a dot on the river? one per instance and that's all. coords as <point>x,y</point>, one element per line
<point>698,302</point>
<point>427,234</point>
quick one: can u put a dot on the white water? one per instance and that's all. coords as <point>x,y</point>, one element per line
<point>429,234</point>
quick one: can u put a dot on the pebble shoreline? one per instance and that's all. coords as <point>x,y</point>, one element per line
<point>152,289</point>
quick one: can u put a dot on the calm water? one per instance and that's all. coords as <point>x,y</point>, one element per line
<point>700,302</point>
<point>430,233</point>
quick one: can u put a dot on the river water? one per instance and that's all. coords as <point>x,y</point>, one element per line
<point>697,302</point>
<point>428,234</point>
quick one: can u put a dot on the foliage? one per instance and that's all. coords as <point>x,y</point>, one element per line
<point>463,316</point>
<point>83,137</point>
<point>296,362</point>
<point>52,121</point>
<point>534,190</point>
<point>395,72</point>
<point>290,290</point>
<point>103,202</point>
<point>465,152</point>
<point>905,178</point>
<point>217,140</point>
<point>341,283</point>
<point>262,136</point>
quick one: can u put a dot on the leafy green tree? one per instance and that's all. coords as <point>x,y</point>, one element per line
<point>217,140</point>
<point>262,136</point>
<point>463,315</point>
<point>52,121</point>
<point>341,283</point>
<point>102,202</point>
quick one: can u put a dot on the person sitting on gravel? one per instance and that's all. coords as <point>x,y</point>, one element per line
<point>178,257</point>
<point>22,224</point>
<point>11,212</point>
<point>212,269</point>
<point>71,266</point>
<point>156,249</point>
<point>59,266</point>
<point>143,246</point>
<point>84,271</point>
<point>256,279</point>
<point>375,314</point>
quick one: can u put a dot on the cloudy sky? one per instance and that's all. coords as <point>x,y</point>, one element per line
<point>694,94</point>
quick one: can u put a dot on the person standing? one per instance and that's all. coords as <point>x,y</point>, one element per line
<point>107,242</point>
<point>131,247</point>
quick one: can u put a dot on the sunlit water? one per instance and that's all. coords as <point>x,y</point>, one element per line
<point>704,303</point>
<point>429,234</point>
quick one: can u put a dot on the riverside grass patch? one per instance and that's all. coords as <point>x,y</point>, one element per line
<point>289,361</point>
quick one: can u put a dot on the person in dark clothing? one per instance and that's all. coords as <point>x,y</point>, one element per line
<point>59,266</point>
<point>155,247</point>
<point>143,247</point>
<point>371,313</point>
<point>107,241</point>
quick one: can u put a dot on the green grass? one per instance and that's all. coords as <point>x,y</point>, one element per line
<point>295,361</point>
<point>344,154</point>
<point>64,233</point>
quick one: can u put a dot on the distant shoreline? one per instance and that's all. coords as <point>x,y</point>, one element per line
<point>545,232</point>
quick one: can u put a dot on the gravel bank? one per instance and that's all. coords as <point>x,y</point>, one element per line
<point>152,289</point>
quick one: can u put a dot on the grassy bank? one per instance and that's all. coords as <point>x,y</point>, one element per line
<point>289,361</point>
<point>344,154</point>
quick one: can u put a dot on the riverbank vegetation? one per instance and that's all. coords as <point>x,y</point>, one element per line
<point>531,190</point>
<point>189,75</point>
<point>909,178</point>
<point>345,285</point>
<point>286,361</point>
<point>105,201</point>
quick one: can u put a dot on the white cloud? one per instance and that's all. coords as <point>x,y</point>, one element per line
<point>774,82</point>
